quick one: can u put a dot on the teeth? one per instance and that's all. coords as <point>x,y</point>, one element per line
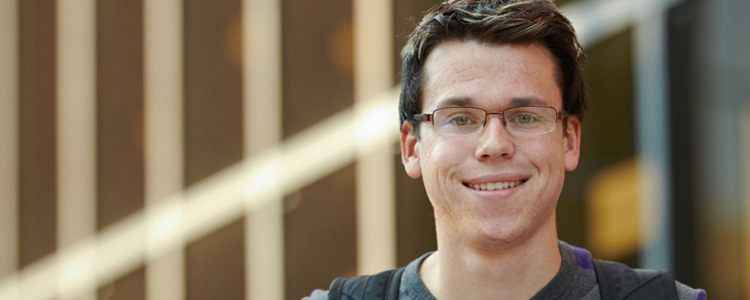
<point>495,186</point>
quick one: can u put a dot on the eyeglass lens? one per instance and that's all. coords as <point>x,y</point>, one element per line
<point>518,120</point>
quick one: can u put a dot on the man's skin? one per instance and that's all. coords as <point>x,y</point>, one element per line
<point>499,244</point>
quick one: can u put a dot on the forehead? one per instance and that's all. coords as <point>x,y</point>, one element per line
<point>490,76</point>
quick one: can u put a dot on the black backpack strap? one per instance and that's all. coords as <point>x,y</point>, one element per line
<point>381,286</point>
<point>334,291</point>
<point>660,284</point>
<point>618,281</point>
<point>605,288</point>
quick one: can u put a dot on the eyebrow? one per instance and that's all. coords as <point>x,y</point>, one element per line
<point>528,101</point>
<point>459,102</point>
<point>468,102</point>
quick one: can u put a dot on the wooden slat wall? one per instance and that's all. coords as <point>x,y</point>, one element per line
<point>317,61</point>
<point>215,268</point>
<point>320,239</point>
<point>213,87</point>
<point>120,110</point>
<point>38,141</point>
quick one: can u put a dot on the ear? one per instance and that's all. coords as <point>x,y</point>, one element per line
<point>410,150</point>
<point>572,142</point>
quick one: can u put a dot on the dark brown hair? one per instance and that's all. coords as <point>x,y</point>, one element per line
<point>495,22</point>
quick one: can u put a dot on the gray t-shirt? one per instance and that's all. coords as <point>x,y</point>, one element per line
<point>576,279</point>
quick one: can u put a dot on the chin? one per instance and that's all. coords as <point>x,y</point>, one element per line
<point>498,236</point>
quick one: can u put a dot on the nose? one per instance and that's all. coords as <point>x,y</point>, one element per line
<point>495,141</point>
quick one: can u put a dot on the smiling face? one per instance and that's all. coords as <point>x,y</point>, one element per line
<point>491,189</point>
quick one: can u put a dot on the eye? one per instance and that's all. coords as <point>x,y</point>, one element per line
<point>525,119</point>
<point>460,121</point>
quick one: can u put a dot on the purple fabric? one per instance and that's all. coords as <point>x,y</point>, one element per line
<point>701,295</point>
<point>583,258</point>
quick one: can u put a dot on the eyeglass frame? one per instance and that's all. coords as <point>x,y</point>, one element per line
<point>559,115</point>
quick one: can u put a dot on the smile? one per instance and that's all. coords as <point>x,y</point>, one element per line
<point>491,186</point>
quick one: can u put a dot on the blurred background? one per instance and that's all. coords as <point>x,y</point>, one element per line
<point>248,149</point>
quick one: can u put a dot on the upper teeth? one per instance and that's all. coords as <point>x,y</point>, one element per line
<point>495,186</point>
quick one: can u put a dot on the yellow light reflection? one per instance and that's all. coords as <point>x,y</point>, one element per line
<point>614,216</point>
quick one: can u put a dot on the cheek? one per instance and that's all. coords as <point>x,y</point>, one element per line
<point>443,158</point>
<point>547,159</point>
<point>440,161</point>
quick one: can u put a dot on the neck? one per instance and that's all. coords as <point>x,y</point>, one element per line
<point>518,271</point>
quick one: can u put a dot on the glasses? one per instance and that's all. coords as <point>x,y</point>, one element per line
<point>522,120</point>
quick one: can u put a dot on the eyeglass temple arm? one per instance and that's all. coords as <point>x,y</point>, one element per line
<point>422,117</point>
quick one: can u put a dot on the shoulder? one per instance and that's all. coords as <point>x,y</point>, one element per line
<point>404,282</point>
<point>317,295</point>
<point>622,279</point>
<point>685,292</point>
<point>385,283</point>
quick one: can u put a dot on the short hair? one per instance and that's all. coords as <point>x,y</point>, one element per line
<point>495,22</point>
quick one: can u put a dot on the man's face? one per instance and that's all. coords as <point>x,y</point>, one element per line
<point>492,77</point>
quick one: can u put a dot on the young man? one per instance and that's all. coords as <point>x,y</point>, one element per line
<point>491,109</point>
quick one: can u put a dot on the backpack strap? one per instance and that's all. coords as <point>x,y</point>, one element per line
<point>381,286</point>
<point>618,281</point>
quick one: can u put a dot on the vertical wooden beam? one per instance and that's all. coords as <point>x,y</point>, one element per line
<point>76,132</point>
<point>164,160</point>
<point>8,136</point>
<point>375,181</point>
<point>264,226</point>
<point>76,126</point>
